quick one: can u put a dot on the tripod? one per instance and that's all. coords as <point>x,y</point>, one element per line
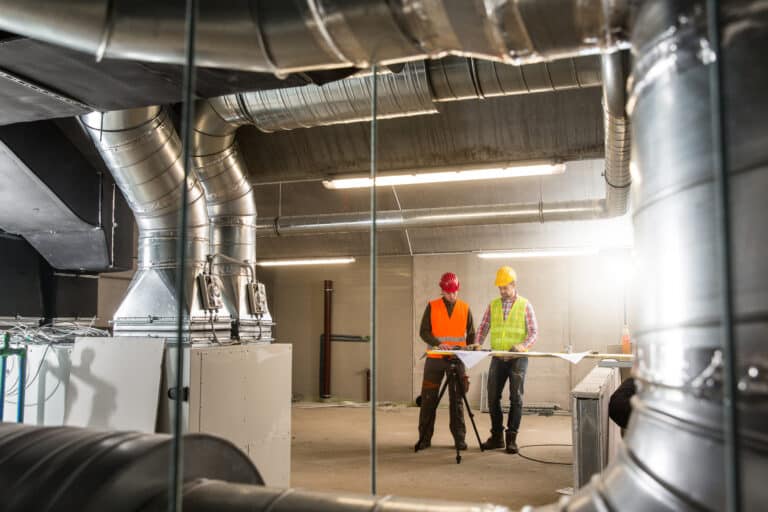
<point>453,379</point>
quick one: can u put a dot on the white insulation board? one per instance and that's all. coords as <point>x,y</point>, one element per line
<point>114,383</point>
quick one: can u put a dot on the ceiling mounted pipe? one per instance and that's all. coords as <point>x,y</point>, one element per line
<point>449,216</point>
<point>674,455</point>
<point>282,37</point>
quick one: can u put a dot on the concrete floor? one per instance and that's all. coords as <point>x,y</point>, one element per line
<point>330,452</point>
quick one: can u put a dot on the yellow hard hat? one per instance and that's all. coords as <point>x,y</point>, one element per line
<point>505,275</point>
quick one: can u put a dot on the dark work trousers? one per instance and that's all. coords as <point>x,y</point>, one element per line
<point>434,370</point>
<point>503,370</point>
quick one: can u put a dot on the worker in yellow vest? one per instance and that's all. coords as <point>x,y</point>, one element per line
<point>446,324</point>
<point>511,323</point>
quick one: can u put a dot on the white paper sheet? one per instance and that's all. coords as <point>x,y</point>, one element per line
<point>573,357</point>
<point>471,358</point>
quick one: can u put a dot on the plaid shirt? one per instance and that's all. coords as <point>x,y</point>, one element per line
<point>506,305</point>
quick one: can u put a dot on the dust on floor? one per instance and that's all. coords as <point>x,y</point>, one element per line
<point>330,452</point>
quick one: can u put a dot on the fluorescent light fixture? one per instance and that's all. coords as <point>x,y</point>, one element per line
<point>539,253</point>
<point>305,261</point>
<point>512,171</point>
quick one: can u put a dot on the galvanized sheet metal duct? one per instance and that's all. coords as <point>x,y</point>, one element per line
<point>410,92</point>
<point>223,174</point>
<point>142,151</point>
<point>401,94</point>
<point>674,454</point>
<point>456,78</point>
<point>217,496</point>
<point>283,37</point>
<point>459,79</point>
<point>413,91</point>
<point>231,207</point>
<point>618,138</point>
<point>61,469</point>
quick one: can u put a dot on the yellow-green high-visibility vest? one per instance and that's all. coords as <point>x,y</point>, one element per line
<point>512,331</point>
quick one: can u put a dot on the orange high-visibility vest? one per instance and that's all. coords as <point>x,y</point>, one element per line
<point>451,330</point>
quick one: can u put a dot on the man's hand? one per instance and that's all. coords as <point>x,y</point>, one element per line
<point>474,346</point>
<point>517,348</point>
<point>444,346</point>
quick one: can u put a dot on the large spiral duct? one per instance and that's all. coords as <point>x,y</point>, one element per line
<point>674,456</point>
<point>61,469</point>
<point>282,37</point>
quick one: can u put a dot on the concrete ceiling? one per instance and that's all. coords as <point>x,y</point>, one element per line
<point>567,125</point>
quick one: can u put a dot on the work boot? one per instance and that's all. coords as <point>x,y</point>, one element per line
<point>494,442</point>
<point>422,444</point>
<point>461,445</point>
<point>511,441</point>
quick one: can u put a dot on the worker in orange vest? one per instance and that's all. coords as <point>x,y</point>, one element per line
<point>445,325</point>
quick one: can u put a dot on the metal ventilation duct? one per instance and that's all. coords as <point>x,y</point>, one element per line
<point>414,91</point>
<point>674,454</point>
<point>30,208</point>
<point>282,37</point>
<point>231,207</point>
<point>223,174</point>
<point>60,469</point>
<point>401,94</point>
<point>142,151</point>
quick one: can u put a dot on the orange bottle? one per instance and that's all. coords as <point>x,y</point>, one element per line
<point>626,340</point>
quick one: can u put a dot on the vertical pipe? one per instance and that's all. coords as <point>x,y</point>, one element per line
<point>374,94</point>
<point>177,465</point>
<point>22,386</point>
<point>325,390</point>
<point>3,362</point>
<point>732,460</point>
<point>367,384</point>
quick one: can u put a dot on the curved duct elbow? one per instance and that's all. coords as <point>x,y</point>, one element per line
<point>231,206</point>
<point>282,37</point>
<point>143,152</point>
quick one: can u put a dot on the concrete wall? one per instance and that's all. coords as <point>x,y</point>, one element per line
<point>296,302</point>
<point>112,290</point>
<point>577,300</point>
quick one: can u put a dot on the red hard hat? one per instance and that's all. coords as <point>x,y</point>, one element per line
<point>449,282</point>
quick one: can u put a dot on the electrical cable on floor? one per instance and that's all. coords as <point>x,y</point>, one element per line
<point>58,333</point>
<point>542,461</point>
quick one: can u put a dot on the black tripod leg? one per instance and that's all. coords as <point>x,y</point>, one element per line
<point>453,378</point>
<point>442,390</point>
<point>472,419</point>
